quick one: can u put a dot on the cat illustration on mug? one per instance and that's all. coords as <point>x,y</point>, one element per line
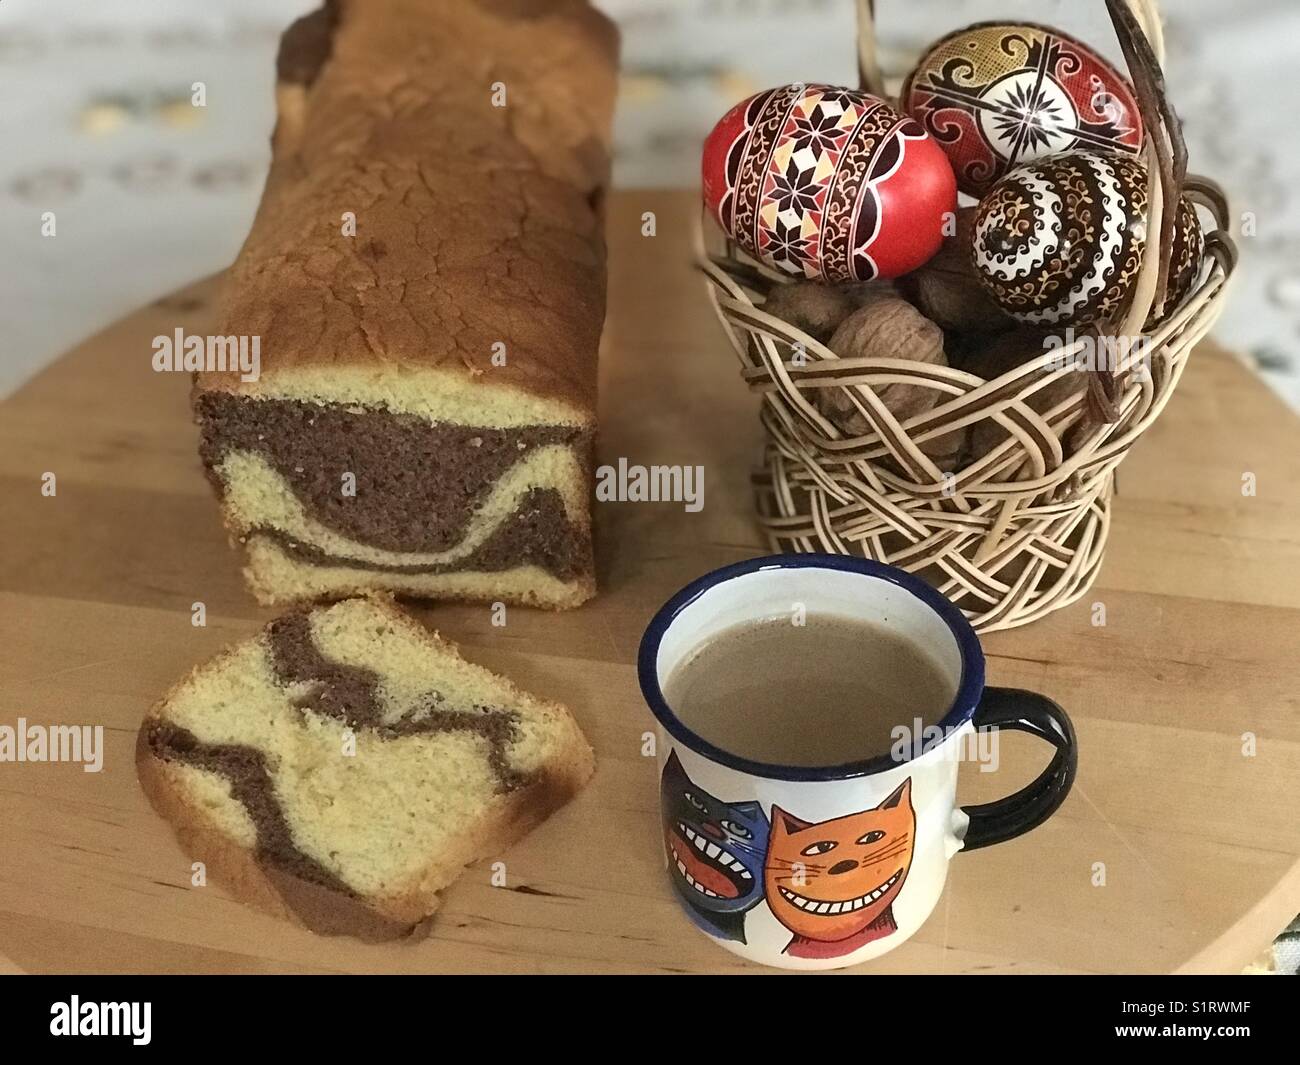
<point>833,883</point>
<point>715,852</point>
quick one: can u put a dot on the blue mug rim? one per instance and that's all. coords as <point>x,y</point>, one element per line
<point>970,685</point>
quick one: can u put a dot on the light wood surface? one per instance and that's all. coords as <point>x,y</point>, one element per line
<point>1199,844</point>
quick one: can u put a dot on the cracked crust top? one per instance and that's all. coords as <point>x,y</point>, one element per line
<point>477,225</point>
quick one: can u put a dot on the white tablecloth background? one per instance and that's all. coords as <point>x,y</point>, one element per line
<point>150,193</point>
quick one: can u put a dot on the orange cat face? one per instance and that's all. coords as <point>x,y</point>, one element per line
<point>831,880</point>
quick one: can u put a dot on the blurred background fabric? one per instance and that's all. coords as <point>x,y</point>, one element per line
<point>150,192</point>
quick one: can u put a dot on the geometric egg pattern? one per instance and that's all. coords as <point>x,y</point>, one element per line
<point>828,183</point>
<point>1060,241</point>
<point>997,95</point>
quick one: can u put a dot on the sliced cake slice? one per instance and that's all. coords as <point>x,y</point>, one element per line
<point>424,288</point>
<point>344,765</point>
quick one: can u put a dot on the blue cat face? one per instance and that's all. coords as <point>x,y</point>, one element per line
<point>715,851</point>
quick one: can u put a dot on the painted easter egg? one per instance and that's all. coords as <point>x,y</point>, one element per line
<point>828,183</point>
<point>1000,94</point>
<point>1060,241</point>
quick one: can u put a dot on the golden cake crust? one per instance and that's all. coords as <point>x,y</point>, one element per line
<point>476,225</point>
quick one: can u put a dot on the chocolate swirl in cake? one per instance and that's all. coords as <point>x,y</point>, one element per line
<point>251,786</point>
<point>537,533</point>
<point>351,694</point>
<point>346,693</point>
<point>409,498</point>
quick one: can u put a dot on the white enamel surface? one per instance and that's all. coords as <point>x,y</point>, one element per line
<point>939,825</point>
<point>934,788</point>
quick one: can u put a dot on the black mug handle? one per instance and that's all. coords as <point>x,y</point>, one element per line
<point>1004,819</point>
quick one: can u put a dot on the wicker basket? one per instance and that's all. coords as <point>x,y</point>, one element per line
<point>1017,532</point>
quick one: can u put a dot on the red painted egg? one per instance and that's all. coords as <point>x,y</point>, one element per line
<point>828,183</point>
<point>1000,94</point>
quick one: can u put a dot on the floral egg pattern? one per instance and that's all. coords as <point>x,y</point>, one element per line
<point>1061,241</point>
<point>828,183</point>
<point>997,95</point>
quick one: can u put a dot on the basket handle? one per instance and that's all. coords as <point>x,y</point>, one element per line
<point>869,77</point>
<point>1165,141</point>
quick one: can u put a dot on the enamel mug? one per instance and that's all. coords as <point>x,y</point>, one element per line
<point>820,868</point>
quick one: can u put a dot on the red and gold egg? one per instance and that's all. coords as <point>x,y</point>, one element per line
<point>828,183</point>
<point>1000,94</point>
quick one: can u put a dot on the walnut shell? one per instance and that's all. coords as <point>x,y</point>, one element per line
<point>886,326</point>
<point>816,310</point>
<point>948,291</point>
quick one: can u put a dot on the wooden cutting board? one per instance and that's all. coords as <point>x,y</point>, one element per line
<point>1176,850</point>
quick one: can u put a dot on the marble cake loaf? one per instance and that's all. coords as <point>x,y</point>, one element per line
<point>426,280</point>
<point>343,766</point>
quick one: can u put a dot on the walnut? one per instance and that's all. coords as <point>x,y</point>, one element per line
<point>886,326</point>
<point>814,309</point>
<point>818,309</point>
<point>948,291</point>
